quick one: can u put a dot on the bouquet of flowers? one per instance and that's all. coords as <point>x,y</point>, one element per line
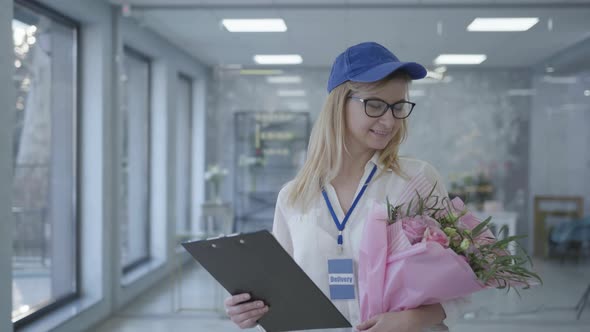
<point>424,249</point>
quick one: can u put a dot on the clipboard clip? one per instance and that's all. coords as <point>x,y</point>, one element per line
<point>220,236</point>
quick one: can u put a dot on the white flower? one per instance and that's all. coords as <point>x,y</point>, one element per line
<point>215,173</point>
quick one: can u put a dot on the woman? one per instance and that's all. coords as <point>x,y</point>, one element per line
<point>352,163</point>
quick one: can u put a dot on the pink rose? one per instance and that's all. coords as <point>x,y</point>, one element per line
<point>435,234</point>
<point>414,227</point>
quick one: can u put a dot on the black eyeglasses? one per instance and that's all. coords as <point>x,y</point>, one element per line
<point>375,108</point>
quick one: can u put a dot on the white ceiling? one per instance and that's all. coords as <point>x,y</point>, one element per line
<point>320,30</point>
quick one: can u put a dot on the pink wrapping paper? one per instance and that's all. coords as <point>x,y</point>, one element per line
<point>395,275</point>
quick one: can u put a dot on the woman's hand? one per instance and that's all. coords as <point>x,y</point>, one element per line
<point>244,315</point>
<point>403,321</point>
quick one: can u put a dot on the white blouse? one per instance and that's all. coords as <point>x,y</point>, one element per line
<point>310,236</point>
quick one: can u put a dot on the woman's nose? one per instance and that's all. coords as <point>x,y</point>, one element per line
<point>388,118</point>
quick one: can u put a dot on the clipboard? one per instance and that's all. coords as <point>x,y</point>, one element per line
<point>256,263</point>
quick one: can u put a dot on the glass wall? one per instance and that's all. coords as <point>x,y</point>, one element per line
<point>44,186</point>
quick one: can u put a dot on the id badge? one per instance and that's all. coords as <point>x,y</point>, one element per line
<point>341,279</point>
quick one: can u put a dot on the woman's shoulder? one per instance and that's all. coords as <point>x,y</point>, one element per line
<point>416,167</point>
<point>413,166</point>
<point>284,199</point>
<point>286,189</point>
<point>285,192</point>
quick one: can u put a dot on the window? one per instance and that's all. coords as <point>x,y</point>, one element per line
<point>44,264</point>
<point>135,159</point>
<point>183,155</point>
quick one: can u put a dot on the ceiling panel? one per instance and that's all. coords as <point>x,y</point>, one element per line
<point>320,33</point>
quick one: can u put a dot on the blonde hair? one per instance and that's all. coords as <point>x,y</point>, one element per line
<point>327,142</point>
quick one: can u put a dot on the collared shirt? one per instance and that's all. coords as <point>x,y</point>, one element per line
<point>310,236</point>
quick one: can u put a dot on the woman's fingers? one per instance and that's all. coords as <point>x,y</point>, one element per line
<point>253,320</point>
<point>250,323</point>
<point>236,299</point>
<point>242,308</point>
<point>245,315</point>
<point>255,315</point>
<point>367,324</point>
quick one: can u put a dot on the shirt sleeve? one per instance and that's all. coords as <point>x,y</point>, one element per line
<point>456,308</point>
<point>280,228</point>
<point>434,178</point>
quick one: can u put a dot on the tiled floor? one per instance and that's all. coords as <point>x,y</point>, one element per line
<point>546,308</point>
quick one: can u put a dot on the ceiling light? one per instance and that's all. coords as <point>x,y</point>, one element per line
<point>297,105</point>
<point>255,25</point>
<point>434,75</point>
<point>261,72</point>
<point>285,59</point>
<point>587,93</point>
<point>283,79</point>
<point>230,66</point>
<point>560,79</point>
<point>503,24</point>
<point>460,59</point>
<point>426,80</point>
<point>429,80</point>
<point>574,107</point>
<point>291,93</point>
<point>441,69</point>
<point>522,92</point>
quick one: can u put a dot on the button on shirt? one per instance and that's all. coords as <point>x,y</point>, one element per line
<point>310,236</point>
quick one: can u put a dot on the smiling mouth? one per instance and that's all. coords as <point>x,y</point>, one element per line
<point>380,132</point>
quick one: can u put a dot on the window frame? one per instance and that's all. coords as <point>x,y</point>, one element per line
<point>131,266</point>
<point>191,83</point>
<point>59,302</point>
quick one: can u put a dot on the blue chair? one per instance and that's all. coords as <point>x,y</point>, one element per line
<point>570,239</point>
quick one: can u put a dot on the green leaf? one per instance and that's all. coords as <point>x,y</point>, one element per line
<point>420,204</point>
<point>504,242</point>
<point>481,227</point>
<point>432,190</point>
<point>388,208</point>
<point>409,207</point>
<point>433,207</point>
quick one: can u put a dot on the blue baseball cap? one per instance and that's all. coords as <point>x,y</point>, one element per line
<point>369,62</point>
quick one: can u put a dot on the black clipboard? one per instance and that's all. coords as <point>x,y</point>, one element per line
<point>256,263</point>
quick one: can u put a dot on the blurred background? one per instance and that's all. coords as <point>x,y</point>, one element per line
<point>132,126</point>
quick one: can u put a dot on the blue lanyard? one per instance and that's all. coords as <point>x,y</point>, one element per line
<point>354,203</point>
